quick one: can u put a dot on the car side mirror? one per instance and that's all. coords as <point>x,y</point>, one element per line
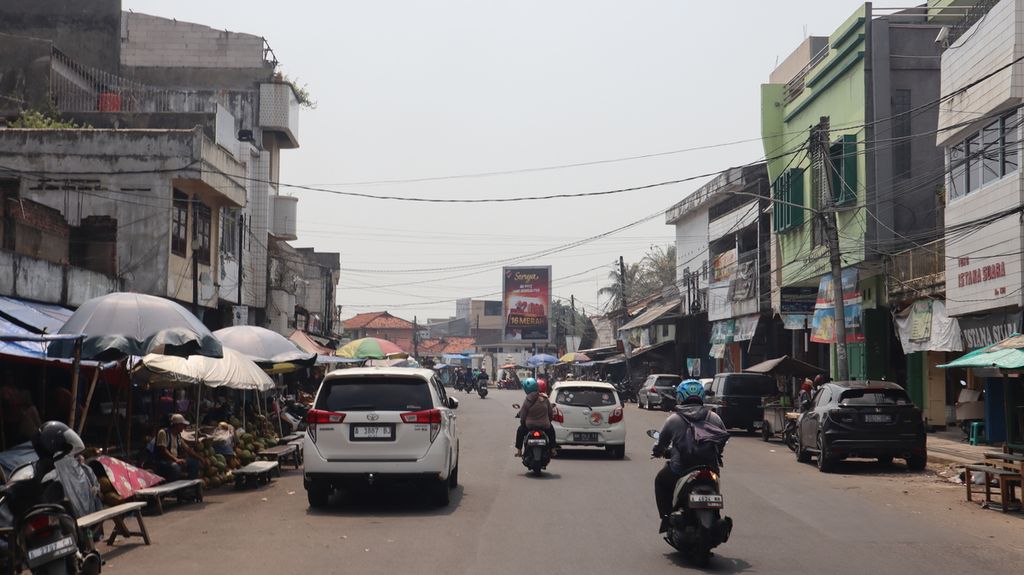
<point>453,403</point>
<point>805,405</point>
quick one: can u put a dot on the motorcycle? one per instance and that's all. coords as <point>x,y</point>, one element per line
<point>482,390</point>
<point>626,391</point>
<point>46,535</point>
<point>696,525</point>
<point>536,450</point>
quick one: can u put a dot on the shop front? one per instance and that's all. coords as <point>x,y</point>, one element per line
<point>1000,393</point>
<point>929,337</point>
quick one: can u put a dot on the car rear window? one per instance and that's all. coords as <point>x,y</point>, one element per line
<point>668,381</point>
<point>754,385</point>
<point>375,394</point>
<point>874,397</point>
<point>586,396</point>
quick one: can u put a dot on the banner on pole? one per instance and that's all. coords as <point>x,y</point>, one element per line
<point>526,296</point>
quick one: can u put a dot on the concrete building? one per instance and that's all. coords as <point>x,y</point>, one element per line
<point>869,81</point>
<point>979,131</point>
<point>382,325</point>
<point>190,122</point>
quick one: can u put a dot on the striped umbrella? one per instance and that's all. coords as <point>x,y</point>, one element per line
<point>371,348</point>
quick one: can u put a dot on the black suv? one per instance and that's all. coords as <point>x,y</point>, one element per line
<point>736,397</point>
<point>861,419</point>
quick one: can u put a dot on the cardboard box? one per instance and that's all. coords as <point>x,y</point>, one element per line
<point>969,405</point>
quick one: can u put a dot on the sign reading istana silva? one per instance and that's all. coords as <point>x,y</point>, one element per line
<point>527,303</point>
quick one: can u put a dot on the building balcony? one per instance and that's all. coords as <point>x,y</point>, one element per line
<point>921,269</point>
<point>279,112</point>
<point>282,222</point>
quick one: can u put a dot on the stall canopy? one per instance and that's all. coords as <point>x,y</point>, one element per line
<point>39,317</point>
<point>234,371</point>
<point>650,316</point>
<point>308,344</point>
<point>1007,354</point>
<point>265,347</point>
<point>785,365</point>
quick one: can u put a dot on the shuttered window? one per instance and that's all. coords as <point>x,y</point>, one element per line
<point>843,155</point>
<point>788,193</point>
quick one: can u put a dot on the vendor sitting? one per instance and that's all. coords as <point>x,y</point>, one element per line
<point>169,449</point>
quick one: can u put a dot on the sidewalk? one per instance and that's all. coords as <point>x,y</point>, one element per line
<point>948,447</point>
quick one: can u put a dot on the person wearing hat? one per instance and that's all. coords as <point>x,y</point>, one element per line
<point>172,455</point>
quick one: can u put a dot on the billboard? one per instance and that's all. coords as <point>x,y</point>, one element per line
<point>526,298</point>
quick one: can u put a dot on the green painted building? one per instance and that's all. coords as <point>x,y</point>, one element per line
<point>865,78</point>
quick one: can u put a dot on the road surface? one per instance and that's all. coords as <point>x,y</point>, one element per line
<point>588,514</point>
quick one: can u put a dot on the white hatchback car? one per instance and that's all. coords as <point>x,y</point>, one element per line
<point>375,424</point>
<point>589,413</point>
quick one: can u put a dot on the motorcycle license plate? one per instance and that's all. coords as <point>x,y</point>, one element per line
<point>51,551</point>
<point>758,424</point>
<point>700,500</point>
<point>536,442</point>
<point>585,437</point>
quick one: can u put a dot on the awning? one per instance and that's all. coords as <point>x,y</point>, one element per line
<point>650,316</point>
<point>307,344</point>
<point>642,350</point>
<point>785,365</point>
<point>38,317</point>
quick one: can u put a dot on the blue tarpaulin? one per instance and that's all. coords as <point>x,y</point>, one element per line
<point>40,317</point>
<point>31,349</point>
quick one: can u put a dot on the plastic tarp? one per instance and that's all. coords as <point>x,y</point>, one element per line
<point>16,456</point>
<point>44,318</point>
<point>785,365</point>
<point>125,477</point>
<point>234,370</point>
<point>943,332</point>
<point>306,343</point>
<point>81,487</point>
<point>32,349</point>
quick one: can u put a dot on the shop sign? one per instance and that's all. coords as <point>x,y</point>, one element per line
<point>982,330</point>
<point>743,284</point>
<point>723,331</point>
<point>798,300</point>
<point>746,327</point>
<point>723,266</point>
<point>921,320</point>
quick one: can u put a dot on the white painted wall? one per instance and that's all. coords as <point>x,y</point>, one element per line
<point>733,221</point>
<point>691,244</point>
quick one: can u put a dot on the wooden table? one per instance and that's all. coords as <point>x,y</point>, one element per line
<point>281,453</point>
<point>256,473</point>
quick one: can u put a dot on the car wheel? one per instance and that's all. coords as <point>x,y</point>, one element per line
<point>825,461</point>
<point>318,494</point>
<point>802,455</point>
<point>453,478</point>
<point>885,460</point>
<point>766,432</point>
<point>440,495</point>
<point>916,462</point>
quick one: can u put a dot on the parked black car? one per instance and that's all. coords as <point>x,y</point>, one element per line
<point>736,397</point>
<point>873,419</point>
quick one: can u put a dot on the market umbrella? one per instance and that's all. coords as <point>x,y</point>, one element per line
<point>234,371</point>
<point>541,359</point>
<point>785,365</point>
<point>371,348</point>
<point>120,324</point>
<point>574,357</point>
<point>265,347</point>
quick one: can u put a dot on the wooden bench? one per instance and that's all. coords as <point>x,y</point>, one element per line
<point>117,514</point>
<point>183,490</point>
<point>289,438</point>
<point>281,453</point>
<point>1003,469</point>
<point>256,473</point>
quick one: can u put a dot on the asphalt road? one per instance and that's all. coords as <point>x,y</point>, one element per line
<point>588,514</point>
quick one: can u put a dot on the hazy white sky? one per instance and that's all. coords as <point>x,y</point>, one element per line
<point>417,89</point>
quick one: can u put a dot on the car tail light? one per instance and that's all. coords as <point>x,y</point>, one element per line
<point>556,415</point>
<point>317,416</point>
<point>431,416</point>
<point>616,416</point>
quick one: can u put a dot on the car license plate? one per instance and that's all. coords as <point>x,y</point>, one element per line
<point>50,551</point>
<point>586,437</point>
<point>373,432</point>
<point>700,500</point>
<point>877,418</point>
<point>758,424</point>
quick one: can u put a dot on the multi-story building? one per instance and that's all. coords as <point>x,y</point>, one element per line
<point>979,131</point>
<point>382,325</point>
<point>176,182</point>
<point>864,91</point>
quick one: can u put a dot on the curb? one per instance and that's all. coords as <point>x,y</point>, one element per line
<point>947,459</point>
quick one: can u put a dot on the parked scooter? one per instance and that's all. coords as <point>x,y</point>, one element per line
<point>696,525</point>
<point>536,450</point>
<point>626,391</point>
<point>33,502</point>
<point>482,390</point>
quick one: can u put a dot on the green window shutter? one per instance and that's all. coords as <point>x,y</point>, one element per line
<point>788,190</point>
<point>844,170</point>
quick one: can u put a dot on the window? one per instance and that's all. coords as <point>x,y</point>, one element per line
<point>984,157</point>
<point>375,394</point>
<point>492,308</point>
<point>230,223</point>
<point>664,330</point>
<point>1010,153</point>
<point>202,232</point>
<point>788,193</point>
<point>752,385</point>
<point>990,152</point>
<point>875,397</point>
<point>842,157</point>
<point>901,164</point>
<point>179,224</point>
<point>586,397</point>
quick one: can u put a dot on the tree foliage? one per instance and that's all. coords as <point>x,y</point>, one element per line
<point>653,273</point>
<point>37,120</point>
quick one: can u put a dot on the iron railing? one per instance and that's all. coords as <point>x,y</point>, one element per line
<point>919,269</point>
<point>795,87</point>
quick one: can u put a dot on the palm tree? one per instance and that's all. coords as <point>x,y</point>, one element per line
<point>613,291</point>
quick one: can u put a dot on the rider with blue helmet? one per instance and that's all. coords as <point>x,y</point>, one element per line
<point>535,414</point>
<point>689,409</point>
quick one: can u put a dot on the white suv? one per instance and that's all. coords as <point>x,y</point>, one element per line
<point>589,413</point>
<point>381,423</point>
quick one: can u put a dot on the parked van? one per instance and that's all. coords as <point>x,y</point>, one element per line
<point>736,397</point>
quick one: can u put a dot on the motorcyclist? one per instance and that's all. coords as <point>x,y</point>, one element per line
<point>689,407</point>
<point>535,414</point>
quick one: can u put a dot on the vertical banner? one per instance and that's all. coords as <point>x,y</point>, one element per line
<point>823,326</point>
<point>527,303</point>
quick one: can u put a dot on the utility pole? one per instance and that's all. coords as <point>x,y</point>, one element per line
<point>828,215</point>
<point>572,305</point>
<point>415,337</point>
<point>625,316</point>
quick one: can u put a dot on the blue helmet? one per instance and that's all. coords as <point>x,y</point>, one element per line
<point>529,385</point>
<point>690,391</point>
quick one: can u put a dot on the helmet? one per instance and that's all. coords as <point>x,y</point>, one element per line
<point>54,440</point>
<point>690,391</point>
<point>529,385</point>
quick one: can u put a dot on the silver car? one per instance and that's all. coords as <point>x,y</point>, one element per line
<point>652,389</point>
